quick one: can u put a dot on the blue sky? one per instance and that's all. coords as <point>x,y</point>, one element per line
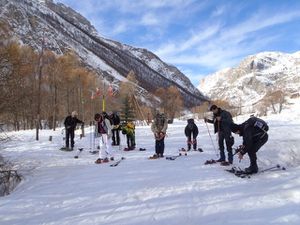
<point>197,36</point>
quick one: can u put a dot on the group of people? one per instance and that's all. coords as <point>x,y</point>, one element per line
<point>107,128</point>
<point>253,131</point>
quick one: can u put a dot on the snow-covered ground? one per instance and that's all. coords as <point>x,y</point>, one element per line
<point>63,190</point>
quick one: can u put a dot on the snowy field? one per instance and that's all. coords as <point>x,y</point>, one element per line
<point>59,189</point>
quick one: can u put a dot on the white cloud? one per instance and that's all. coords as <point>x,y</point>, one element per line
<point>219,46</point>
<point>150,19</point>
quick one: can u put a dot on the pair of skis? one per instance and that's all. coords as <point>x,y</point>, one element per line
<point>114,164</point>
<point>182,152</point>
<point>243,174</point>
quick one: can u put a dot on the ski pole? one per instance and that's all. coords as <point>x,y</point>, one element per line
<point>274,167</point>
<point>211,139</point>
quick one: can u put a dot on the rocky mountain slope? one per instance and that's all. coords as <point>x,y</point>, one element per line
<point>65,29</point>
<point>248,83</point>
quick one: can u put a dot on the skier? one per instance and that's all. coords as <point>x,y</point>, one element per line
<point>115,119</point>
<point>129,130</point>
<point>222,120</point>
<point>104,128</point>
<point>254,133</point>
<point>159,128</point>
<point>190,130</point>
<point>70,123</point>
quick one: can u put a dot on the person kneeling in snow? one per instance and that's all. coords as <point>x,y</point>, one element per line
<point>104,128</point>
<point>190,130</point>
<point>254,133</point>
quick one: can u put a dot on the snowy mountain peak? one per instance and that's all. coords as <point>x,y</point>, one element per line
<point>66,29</point>
<point>254,77</point>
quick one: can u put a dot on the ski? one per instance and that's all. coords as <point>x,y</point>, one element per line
<point>242,174</point>
<point>210,161</point>
<point>199,149</point>
<point>78,153</point>
<point>117,162</point>
<point>66,149</point>
<point>172,157</point>
<point>153,157</point>
<point>94,152</point>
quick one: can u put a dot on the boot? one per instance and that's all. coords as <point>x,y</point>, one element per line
<point>98,161</point>
<point>252,168</point>
<point>105,160</point>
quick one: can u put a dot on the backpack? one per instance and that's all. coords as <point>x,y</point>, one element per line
<point>259,123</point>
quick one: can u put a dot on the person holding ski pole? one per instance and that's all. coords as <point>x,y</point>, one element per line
<point>70,123</point>
<point>222,120</point>
<point>254,133</point>
<point>191,132</point>
<point>159,128</point>
<point>104,128</point>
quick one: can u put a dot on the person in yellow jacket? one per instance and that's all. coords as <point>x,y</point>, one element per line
<point>129,129</point>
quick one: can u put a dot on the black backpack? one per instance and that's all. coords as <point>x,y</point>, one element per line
<point>258,123</point>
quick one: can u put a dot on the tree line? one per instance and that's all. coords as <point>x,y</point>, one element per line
<point>39,88</point>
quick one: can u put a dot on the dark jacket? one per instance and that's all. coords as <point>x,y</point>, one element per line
<point>226,121</point>
<point>71,122</point>
<point>251,134</point>
<point>191,128</point>
<point>115,119</point>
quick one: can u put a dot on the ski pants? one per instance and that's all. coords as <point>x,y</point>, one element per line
<point>70,134</point>
<point>225,136</point>
<point>160,146</point>
<point>255,147</point>
<point>191,142</point>
<point>116,136</point>
<point>130,141</point>
<point>105,147</point>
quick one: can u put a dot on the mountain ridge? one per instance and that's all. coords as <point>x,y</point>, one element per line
<point>66,29</point>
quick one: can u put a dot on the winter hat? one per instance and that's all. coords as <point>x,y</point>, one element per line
<point>234,127</point>
<point>97,116</point>
<point>74,113</point>
<point>213,107</point>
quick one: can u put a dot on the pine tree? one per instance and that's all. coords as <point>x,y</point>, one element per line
<point>128,112</point>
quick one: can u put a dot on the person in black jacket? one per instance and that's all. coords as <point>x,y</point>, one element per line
<point>191,132</point>
<point>254,133</point>
<point>115,119</point>
<point>222,121</point>
<point>70,123</point>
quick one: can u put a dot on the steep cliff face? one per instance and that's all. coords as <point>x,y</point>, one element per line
<point>65,29</point>
<point>254,77</point>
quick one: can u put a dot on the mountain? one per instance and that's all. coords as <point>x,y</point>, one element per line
<point>248,83</point>
<point>65,29</point>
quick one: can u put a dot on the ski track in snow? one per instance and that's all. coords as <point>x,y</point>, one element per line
<point>58,189</point>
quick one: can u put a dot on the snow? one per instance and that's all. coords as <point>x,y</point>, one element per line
<point>58,189</point>
<point>280,72</point>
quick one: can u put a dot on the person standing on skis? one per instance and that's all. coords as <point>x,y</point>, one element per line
<point>254,133</point>
<point>70,123</point>
<point>159,128</point>
<point>104,128</point>
<point>191,132</point>
<point>222,120</point>
<point>115,119</point>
